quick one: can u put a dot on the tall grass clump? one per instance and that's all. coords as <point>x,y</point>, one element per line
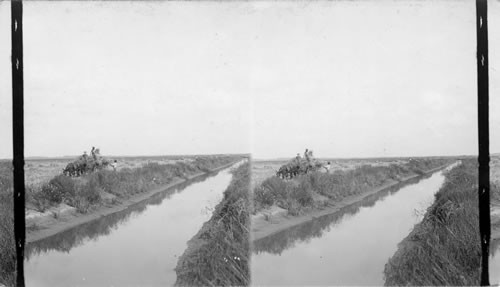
<point>59,189</point>
<point>7,243</point>
<point>86,195</point>
<point>444,249</point>
<point>218,255</point>
<point>271,191</point>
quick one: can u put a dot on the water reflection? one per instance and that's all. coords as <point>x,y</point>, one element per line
<point>103,226</point>
<point>277,243</point>
<point>347,249</point>
<point>494,262</point>
<point>138,246</point>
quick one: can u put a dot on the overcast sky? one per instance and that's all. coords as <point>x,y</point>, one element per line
<point>346,79</point>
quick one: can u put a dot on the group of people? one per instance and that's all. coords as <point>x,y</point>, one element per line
<point>308,155</point>
<point>94,152</point>
<point>86,163</point>
<point>301,165</point>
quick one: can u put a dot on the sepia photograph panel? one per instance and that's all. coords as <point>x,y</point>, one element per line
<point>365,161</point>
<point>266,143</point>
<point>137,145</point>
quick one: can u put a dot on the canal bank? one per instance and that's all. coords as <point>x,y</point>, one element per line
<point>264,225</point>
<point>444,248</point>
<point>54,224</point>
<point>139,246</point>
<point>335,249</point>
<point>219,254</point>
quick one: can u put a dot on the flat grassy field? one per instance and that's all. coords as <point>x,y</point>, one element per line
<point>39,171</point>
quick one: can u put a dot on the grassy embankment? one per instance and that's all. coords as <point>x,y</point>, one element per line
<point>7,244</point>
<point>86,192</point>
<point>94,229</point>
<point>218,255</point>
<point>444,248</point>
<point>495,203</point>
<point>278,242</point>
<point>300,195</point>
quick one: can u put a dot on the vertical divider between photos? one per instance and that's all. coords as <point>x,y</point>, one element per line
<point>18,135</point>
<point>483,136</point>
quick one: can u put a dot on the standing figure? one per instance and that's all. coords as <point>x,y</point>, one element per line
<point>85,156</point>
<point>311,154</point>
<point>114,164</point>
<point>327,167</point>
<point>85,160</point>
<point>297,159</point>
<point>97,157</point>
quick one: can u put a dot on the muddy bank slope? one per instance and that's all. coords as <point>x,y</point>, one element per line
<point>218,255</point>
<point>444,248</point>
<point>281,205</point>
<point>63,217</point>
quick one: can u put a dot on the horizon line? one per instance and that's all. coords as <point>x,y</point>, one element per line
<point>250,155</point>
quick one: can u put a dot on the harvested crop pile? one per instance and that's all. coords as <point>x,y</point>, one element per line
<point>219,253</point>
<point>444,248</point>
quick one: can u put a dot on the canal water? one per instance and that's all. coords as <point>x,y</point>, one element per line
<point>494,267</point>
<point>136,247</point>
<point>494,264</point>
<point>347,248</point>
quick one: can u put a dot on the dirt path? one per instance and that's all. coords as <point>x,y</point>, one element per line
<point>53,226</point>
<point>263,227</point>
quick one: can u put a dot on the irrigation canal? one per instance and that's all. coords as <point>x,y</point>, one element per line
<point>136,247</point>
<point>347,248</point>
